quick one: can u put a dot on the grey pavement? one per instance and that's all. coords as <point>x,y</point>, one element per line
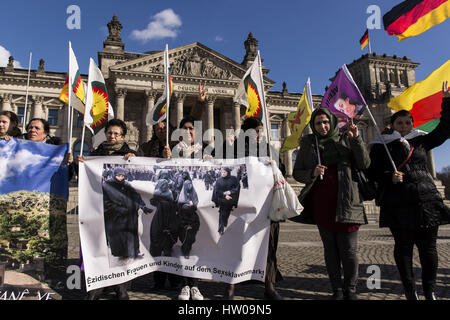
<point>301,262</point>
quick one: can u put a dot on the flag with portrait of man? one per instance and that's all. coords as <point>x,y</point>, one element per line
<point>343,98</point>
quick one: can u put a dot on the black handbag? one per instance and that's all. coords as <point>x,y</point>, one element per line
<point>367,188</point>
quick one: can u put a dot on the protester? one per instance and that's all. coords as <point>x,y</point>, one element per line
<point>187,149</point>
<point>8,125</point>
<point>256,145</point>
<point>38,130</point>
<point>331,199</point>
<point>410,204</point>
<point>156,148</point>
<point>114,145</point>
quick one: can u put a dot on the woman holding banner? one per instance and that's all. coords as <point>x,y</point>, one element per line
<point>410,204</point>
<point>339,216</point>
<point>115,145</point>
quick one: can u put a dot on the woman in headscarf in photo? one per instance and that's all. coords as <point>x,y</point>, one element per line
<point>188,217</point>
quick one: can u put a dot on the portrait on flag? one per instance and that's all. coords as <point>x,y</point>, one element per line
<point>344,99</point>
<point>33,201</point>
<point>186,216</point>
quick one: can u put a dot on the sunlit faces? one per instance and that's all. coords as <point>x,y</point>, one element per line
<point>322,124</point>
<point>189,126</point>
<point>36,131</point>
<point>4,124</point>
<point>403,125</point>
<point>114,134</point>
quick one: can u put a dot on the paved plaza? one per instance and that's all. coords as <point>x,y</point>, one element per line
<point>301,262</point>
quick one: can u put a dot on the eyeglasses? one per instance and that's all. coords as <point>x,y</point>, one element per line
<point>113,134</point>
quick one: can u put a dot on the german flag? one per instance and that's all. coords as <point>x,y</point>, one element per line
<point>413,17</point>
<point>364,39</point>
<point>424,99</point>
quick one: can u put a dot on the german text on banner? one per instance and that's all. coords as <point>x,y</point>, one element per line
<point>188,217</point>
<point>33,201</point>
<point>413,17</point>
<point>423,99</point>
<point>343,98</point>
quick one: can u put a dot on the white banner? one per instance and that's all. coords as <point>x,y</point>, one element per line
<point>202,219</point>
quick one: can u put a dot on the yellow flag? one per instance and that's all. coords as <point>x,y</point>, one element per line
<point>298,120</point>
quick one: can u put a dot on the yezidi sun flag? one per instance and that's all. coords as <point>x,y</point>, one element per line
<point>424,99</point>
<point>250,91</point>
<point>298,120</point>
<point>77,84</point>
<point>191,235</point>
<point>343,98</point>
<point>413,17</point>
<point>98,109</point>
<point>364,39</point>
<point>159,111</point>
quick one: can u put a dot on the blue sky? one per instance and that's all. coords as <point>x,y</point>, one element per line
<point>297,39</point>
<point>28,165</point>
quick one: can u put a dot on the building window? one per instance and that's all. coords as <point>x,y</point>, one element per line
<point>20,112</point>
<point>77,148</point>
<point>274,131</point>
<point>52,117</point>
<point>79,119</point>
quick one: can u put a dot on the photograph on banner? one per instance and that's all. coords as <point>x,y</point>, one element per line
<point>33,203</point>
<point>344,99</point>
<point>185,216</point>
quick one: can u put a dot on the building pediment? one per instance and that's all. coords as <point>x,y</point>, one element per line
<point>192,60</point>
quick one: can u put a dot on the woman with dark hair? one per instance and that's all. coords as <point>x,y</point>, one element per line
<point>38,130</point>
<point>8,125</point>
<point>333,202</point>
<point>115,145</point>
<point>410,204</point>
<point>254,144</point>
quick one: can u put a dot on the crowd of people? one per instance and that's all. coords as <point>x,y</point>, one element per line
<point>410,204</point>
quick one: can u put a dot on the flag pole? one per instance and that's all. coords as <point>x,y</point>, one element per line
<point>166,65</point>
<point>311,106</point>
<point>26,96</point>
<point>264,107</point>
<point>370,48</point>
<point>69,113</point>
<point>82,139</point>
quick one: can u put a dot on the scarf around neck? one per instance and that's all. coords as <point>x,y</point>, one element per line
<point>112,147</point>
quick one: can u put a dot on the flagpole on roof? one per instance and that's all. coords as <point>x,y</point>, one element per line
<point>370,48</point>
<point>26,96</point>
<point>264,107</point>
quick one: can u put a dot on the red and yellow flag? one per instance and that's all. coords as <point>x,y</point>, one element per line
<point>424,99</point>
<point>364,39</point>
<point>413,17</point>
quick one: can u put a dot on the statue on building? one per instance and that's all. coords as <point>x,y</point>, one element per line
<point>250,50</point>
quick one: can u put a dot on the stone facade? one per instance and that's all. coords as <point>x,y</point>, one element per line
<point>135,81</point>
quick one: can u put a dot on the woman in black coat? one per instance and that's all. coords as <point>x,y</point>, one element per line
<point>410,204</point>
<point>188,217</point>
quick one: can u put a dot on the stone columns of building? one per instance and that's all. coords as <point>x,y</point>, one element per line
<point>236,114</point>
<point>150,96</point>
<point>287,154</point>
<point>120,103</point>
<point>37,111</point>
<point>210,117</point>
<point>6,102</point>
<point>179,107</point>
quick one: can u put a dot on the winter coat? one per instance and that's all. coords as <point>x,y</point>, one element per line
<point>416,202</point>
<point>121,203</point>
<point>229,183</point>
<point>350,208</point>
